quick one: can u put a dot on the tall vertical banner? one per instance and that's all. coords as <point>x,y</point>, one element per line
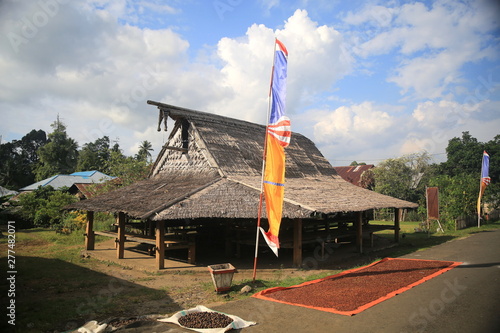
<point>278,136</point>
<point>432,199</point>
<point>485,181</point>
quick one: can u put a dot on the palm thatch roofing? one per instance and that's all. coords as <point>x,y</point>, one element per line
<point>211,168</point>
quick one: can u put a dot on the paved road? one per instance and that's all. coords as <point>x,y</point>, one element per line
<point>464,299</point>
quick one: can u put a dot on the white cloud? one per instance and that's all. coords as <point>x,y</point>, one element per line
<point>316,60</point>
<point>443,114</point>
<point>433,124</point>
<point>433,42</point>
<point>374,14</point>
<point>352,130</point>
<point>90,68</point>
<point>357,122</point>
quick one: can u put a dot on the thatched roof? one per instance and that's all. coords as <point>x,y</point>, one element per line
<point>216,173</point>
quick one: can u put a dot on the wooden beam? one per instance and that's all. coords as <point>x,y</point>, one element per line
<point>160,244</point>
<point>297,242</point>
<point>120,249</point>
<point>397,213</point>
<point>184,150</point>
<point>89,232</point>
<point>359,231</point>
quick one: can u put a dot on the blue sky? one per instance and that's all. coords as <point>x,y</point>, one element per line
<point>367,80</point>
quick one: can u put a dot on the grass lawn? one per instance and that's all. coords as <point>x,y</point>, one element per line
<point>57,288</point>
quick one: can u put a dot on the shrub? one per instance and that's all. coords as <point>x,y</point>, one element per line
<point>44,206</point>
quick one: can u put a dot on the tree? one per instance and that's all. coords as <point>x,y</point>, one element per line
<point>59,155</point>
<point>19,158</point>
<point>404,177</point>
<point>462,155</point>
<point>457,196</point>
<point>367,179</point>
<point>94,155</point>
<point>43,206</point>
<point>128,169</point>
<point>144,151</point>
<point>9,166</point>
<point>29,145</point>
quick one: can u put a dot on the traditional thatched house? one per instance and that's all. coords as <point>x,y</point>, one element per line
<point>208,175</point>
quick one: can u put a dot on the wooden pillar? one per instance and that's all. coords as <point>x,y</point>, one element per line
<point>227,237</point>
<point>359,231</point>
<point>89,231</point>
<point>397,213</point>
<point>192,252</point>
<point>120,249</point>
<point>297,242</point>
<point>160,244</point>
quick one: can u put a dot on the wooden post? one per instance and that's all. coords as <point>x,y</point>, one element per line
<point>297,242</point>
<point>396,224</point>
<point>192,252</point>
<point>89,232</point>
<point>228,246</point>
<point>120,250</point>
<point>359,231</point>
<point>160,244</point>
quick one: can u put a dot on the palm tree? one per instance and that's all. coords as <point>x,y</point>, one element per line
<point>144,151</point>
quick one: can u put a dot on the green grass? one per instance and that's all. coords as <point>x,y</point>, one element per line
<point>411,241</point>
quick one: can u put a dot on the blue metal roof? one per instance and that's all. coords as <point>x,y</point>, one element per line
<point>85,173</point>
<point>60,181</point>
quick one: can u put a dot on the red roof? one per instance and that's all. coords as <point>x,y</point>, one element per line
<point>352,174</point>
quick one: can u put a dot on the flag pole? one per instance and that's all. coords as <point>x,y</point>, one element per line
<point>261,195</point>
<point>480,194</point>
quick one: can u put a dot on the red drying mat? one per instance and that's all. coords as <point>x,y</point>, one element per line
<point>355,290</point>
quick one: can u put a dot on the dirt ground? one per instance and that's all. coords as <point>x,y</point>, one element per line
<point>186,284</point>
<point>190,285</point>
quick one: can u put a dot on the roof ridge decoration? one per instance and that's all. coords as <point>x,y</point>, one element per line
<point>176,112</point>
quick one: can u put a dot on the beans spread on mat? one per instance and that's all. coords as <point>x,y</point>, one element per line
<point>205,320</point>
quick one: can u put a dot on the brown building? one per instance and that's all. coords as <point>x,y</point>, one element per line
<point>359,175</point>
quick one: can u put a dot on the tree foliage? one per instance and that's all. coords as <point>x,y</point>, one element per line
<point>43,206</point>
<point>403,177</point>
<point>457,196</point>
<point>94,155</point>
<point>59,155</point>
<point>144,151</point>
<point>19,158</point>
<point>127,168</point>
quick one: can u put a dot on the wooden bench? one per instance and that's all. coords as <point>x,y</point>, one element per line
<point>171,243</point>
<point>314,235</point>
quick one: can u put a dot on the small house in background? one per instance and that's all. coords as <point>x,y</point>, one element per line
<point>67,181</point>
<point>359,175</point>
<point>6,192</point>
<point>87,190</point>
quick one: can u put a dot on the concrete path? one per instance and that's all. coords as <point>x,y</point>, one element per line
<point>464,299</point>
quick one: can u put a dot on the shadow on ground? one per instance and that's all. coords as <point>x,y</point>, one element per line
<point>51,294</point>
